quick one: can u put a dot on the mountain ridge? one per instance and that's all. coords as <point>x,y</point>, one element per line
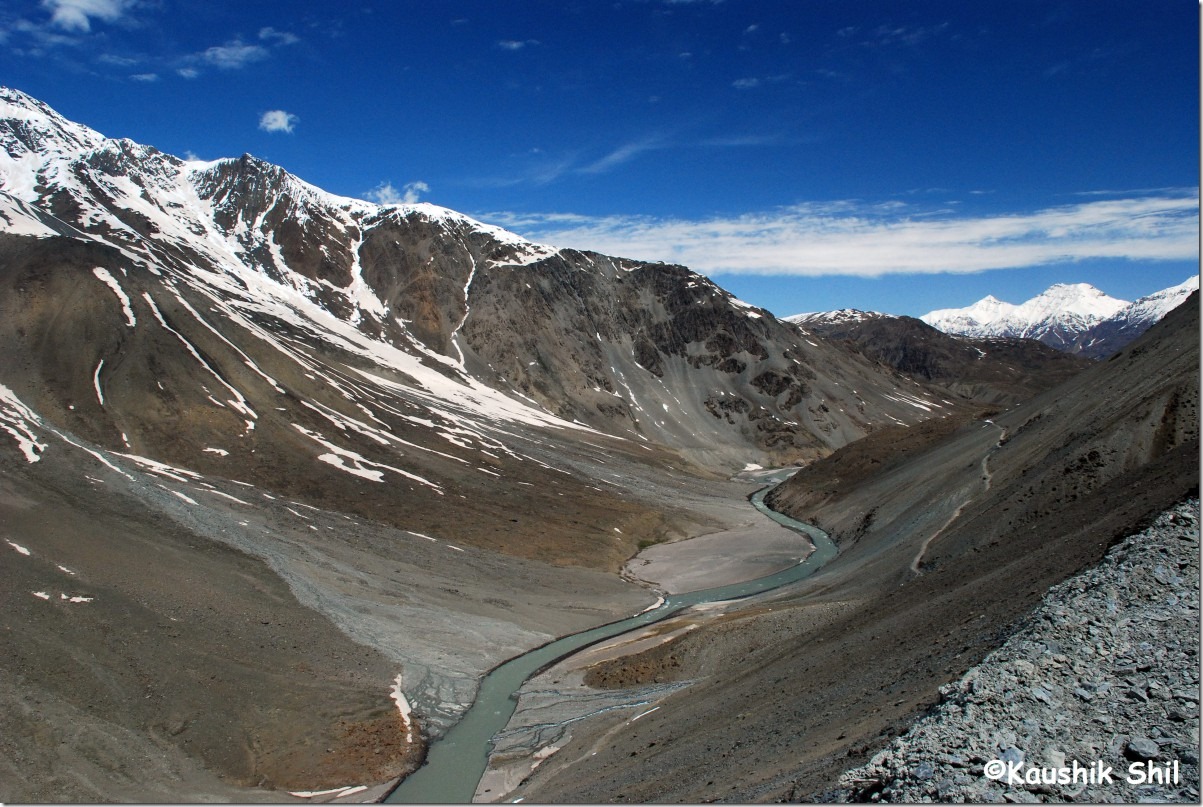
<point>420,278</point>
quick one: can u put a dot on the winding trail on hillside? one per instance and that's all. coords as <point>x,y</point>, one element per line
<point>987,478</point>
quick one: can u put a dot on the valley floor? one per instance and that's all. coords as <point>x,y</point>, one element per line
<point>1105,669</point>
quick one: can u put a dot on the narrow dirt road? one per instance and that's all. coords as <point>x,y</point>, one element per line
<point>987,476</point>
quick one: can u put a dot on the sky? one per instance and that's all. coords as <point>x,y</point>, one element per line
<point>807,155</point>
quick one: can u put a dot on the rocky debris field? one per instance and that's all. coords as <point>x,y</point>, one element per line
<point>1103,675</point>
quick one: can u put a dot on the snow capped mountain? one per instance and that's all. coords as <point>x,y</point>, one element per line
<point>842,316</point>
<point>1153,307</point>
<point>1054,317</point>
<point>1076,318</point>
<point>475,326</point>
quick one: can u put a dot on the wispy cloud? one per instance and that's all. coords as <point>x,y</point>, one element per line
<point>277,120</point>
<point>145,77</point>
<point>624,154</point>
<point>77,15</point>
<point>386,194</point>
<point>544,169</point>
<point>853,239</point>
<point>887,35</point>
<point>234,54</point>
<point>516,44</point>
<point>275,37</point>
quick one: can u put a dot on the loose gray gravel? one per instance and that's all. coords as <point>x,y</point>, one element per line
<point>1105,671</point>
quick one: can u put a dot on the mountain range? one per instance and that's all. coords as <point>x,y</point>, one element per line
<point>284,473</point>
<point>1076,318</point>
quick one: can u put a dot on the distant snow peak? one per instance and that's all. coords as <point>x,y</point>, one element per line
<point>1075,317</point>
<point>842,316</point>
<point>1075,306</point>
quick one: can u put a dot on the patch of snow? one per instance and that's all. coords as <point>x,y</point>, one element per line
<point>398,696</point>
<point>96,382</point>
<point>359,466</point>
<point>18,420</point>
<point>18,547</point>
<point>104,277</point>
<point>642,714</point>
<point>182,496</point>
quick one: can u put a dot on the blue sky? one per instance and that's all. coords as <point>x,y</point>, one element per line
<point>807,155</point>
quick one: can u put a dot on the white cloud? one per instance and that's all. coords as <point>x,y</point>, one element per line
<point>852,239</point>
<point>516,44</point>
<point>116,60</point>
<point>745,83</point>
<point>270,34</point>
<point>77,15</point>
<point>386,194</point>
<point>277,120</point>
<point>234,54</point>
<point>145,77</point>
<point>188,72</point>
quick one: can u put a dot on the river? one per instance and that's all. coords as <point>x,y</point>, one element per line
<point>455,763</point>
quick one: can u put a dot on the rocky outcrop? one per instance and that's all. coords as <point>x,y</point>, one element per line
<point>1103,676</point>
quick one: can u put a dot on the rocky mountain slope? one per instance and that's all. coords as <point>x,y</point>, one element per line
<point>648,352</point>
<point>943,549</point>
<point>988,371</point>
<point>1076,318</point>
<point>1047,700</point>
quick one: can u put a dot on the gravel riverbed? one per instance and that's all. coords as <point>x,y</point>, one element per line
<point>1099,686</point>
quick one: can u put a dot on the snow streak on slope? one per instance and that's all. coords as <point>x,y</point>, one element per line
<point>19,421</point>
<point>103,275</point>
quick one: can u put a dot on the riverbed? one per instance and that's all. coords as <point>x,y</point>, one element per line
<point>455,764</point>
